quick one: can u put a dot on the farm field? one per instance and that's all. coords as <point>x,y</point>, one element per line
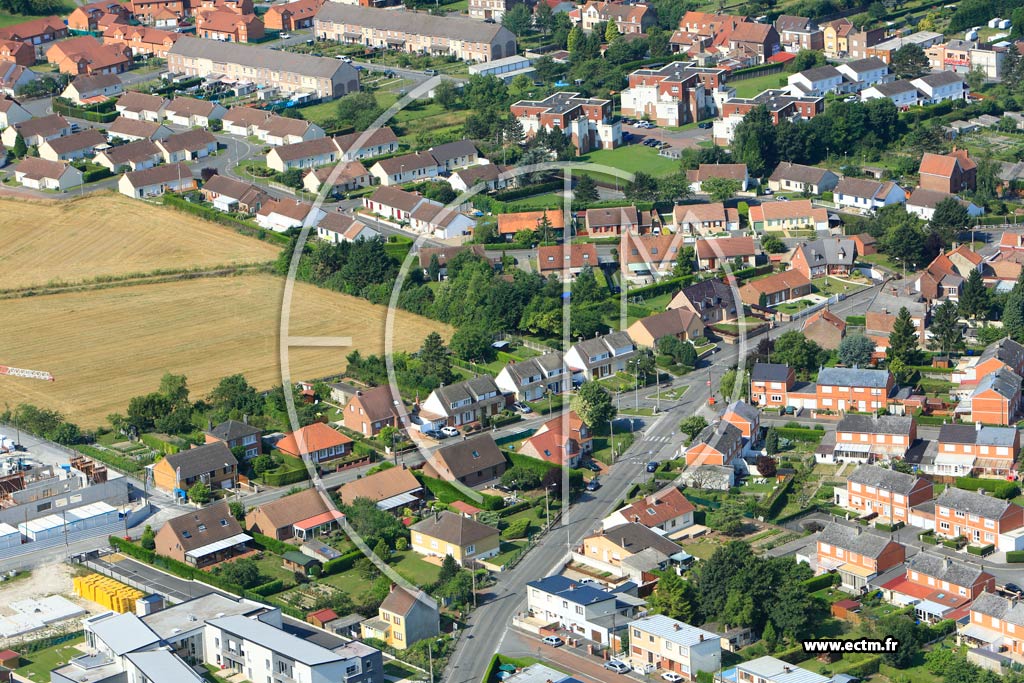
<point>110,235</point>
<point>108,345</point>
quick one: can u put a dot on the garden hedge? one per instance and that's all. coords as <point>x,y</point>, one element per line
<point>159,445</point>
<point>1015,556</point>
<point>341,564</point>
<point>275,546</point>
<point>817,583</point>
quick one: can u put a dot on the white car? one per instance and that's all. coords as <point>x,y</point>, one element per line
<point>284,36</point>
<point>449,431</point>
<point>671,677</point>
<point>617,666</point>
<point>553,641</point>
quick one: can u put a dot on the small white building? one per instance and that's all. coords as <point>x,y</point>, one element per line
<point>901,93</point>
<point>600,357</point>
<point>583,610</point>
<point>41,174</point>
<point>941,86</point>
<point>153,182</point>
<point>280,215</point>
<point>90,89</point>
<point>868,195</point>
<point>10,537</point>
<point>922,203</point>
<point>11,112</point>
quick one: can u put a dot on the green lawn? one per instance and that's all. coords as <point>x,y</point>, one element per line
<point>753,86</point>
<point>633,158</point>
<point>414,568</point>
<point>509,549</point>
<point>548,200</point>
<point>37,666</point>
<point>8,19</point>
<point>701,549</point>
<point>793,306</point>
<point>881,260</point>
<point>629,410</point>
<point>827,286</point>
<point>673,394</point>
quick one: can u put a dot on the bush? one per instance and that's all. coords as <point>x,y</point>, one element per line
<point>269,588</point>
<point>1015,556</point>
<point>981,550</point>
<point>817,583</point>
<point>529,191</point>
<point>269,543</point>
<point>65,108</point>
<point>159,445</point>
<point>244,227</point>
<point>517,529</point>
<point>341,564</point>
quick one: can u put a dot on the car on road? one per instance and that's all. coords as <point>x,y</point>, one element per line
<point>671,677</point>
<point>1012,588</point>
<point>430,72</point>
<point>652,466</point>
<point>284,36</point>
<point>345,58</point>
<point>703,125</point>
<point>783,199</point>
<point>593,484</point>
<point>617,666</point>
<point>553,641</point>
<point>432,433</point>
<point>522,407</point>
<point>449,431</point>
<point>592,466</point>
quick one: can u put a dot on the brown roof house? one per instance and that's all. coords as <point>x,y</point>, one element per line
<point>278,518</point>
<point>681,323</point>
<point>448,533</point>
<point>318,441</point>
<point>736,172</point>
<point>562,440</point>
<point>404,618</point>
<point>213,464</point>
<point>190,112</point>
<point>790,177</point>
<point>776,289</point>
<point>825,328</point>
<point>949,173</point>
<point>571,258</point>
<point>667,510</point>
<point>237,435</point>
<point>473,462</point>
<point>738,252</point>
<point>393,490</point>
<point>202,537</point>
<point>371,410</point>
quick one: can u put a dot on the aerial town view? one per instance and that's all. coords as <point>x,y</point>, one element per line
<point>521,341</point>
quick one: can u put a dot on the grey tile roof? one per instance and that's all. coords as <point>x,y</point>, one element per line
<point>275,640</point>
<point>1006,350</point>
<point>744,410</point>
<point>163,666</point>
<point>673,631</point>
<point>471,455</point>
<point>600,345</point>
<point>973,503</point>
<point>893,88</point>
<point>799,173</point>
<point>853,377</point>
<point>854,539</point>
<point>201,459</point>
<point>1004,382</point>
<point>831,250</point>
<point>872,424</point>
<point>769,372</point>
<point>940,78</point>
<point>633,537</point>
<point>945,568</point>
<point>1000,608</point>
<point>864,65</point>
<point>414,23</point>
<point>453,150</point>
<point>262,58</point>
<point>820,73</point>
<point>230,430</point>
<point>454,528</point>
<point>882,478</point>
<point>972,434</point>
<point>722,436</point>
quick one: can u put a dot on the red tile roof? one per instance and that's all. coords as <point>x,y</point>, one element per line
<point>315,437</point>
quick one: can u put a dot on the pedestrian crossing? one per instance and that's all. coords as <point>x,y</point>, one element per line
<point>657,439</point>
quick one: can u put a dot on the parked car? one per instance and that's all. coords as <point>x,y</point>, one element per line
<point>553,641</point>
<point>432,433</point>
<point>671,677</point>
<point>592,466</point>
<point>430,72</point>
<point>652,466</point>
<point>593,484</point>
<point>617,666</point>
<point>1012,588</point>
<point>522,407</point>
<point>284,36</point>
<point>704,125</point>
<point>449,431</point>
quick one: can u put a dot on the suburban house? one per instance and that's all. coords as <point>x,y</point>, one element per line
<point>771,670</point>
<point>132,156</point>
<point>367,144</point>
<point>939,587</point>
<point>17,53</point>
<point>567,259</point>
<point>581,609</point>
<point>511,223</point>
<point>488,175</point>
<point>228,195</point>
<point>667,511</point>
<point>941,86</point>
<point>405,617</point>
<point>867,437</point>
<point>72,147</point>
<point>788,177</point>
<point>881,315</point>
<point>202,537</point>
<point>13,77</point>
<point>769,384</point>
<point>317,441</point>
<point>600,357</point>
<point>36,32</point>
<point>212,464</point>
<point>664,644</point>
<point>842,389</point>
<point>464,402</point>
<point>629,20</point>
<point>86,55</point>
<point>799,215</point>
<point>280,518</point>
<point>777,288</point>
<point>871,489</point>
<point>737,172</point>
<point>995,624</point>
<point>531,379</point>
<point>392,203</point>
<point>712,300</point>
<point>824,328</point>
<point>349,176</point>
<point>40,174</point>
<point>901,93</point>
<point>473,462</point>
<point>722,252</point>
<point>393,490</point>
<point>587,122</point>
<point>643,259</point>
<point>867,195</point>
<point>153,182</point>
<point>138,106</point>
<point>36,131</point>
<point>828,256</point>
<point>244,121</point>
<point>858,555</point>
<point>681,323</point>
<point>188,146</point>
<point>974,450</point>
<point>371,410</point>
<point>616,220</point>
<point>190,112</point>
<point>717,444</point>
<point>745,418</point>
<point>142,40</point>
<point>704,219</point>
<point>292,16</point>
<point>626,551</point>
<point>799,33</point>
<point>306,154</point>
<point>280,215</point>
<point>818,81</point>
<point>407,168</point>
<point>922,203</point>
<point>448,533</point>
<point>995,399</point>
<point>948,173</point>
<point>564,440</point>
<point>237,435</point>
<point>11,112</point>
<point>864,73</point>
<point>443,222</point>
<point>981,519</point>
<point>1002,354</point>
<point>86,90</point>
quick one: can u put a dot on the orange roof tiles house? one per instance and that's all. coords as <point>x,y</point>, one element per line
<point>393,490</point>
<point>745,418</point>
<point>667,510</point>
<point>18,52</point>
<point>949,173</point>
<point>792,215</point>
<point>643,256</point>
<point>511,223</point>
<point>824,328</point>
<point>96,16</point>
<point>681,323</point>
<point>704,219</point>
<point>371,410</point>
<point>142,40</point>
<point>318,441</point>
<point>775,289</point>
<point>277,518</point>
<point>553,259</point>
<point>731,171</point>
<point>85,55</point>
<point>292,16</point>
<point>560,443</point>
<point>713,253</point>
<point>36,32</point>
<point>865,243</point>
<point>228,26</point>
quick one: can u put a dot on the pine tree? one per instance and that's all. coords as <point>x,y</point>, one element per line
<point>585,190</point>
<point>573,39</point>
<point>769,636</point>
<point>974,297</point>
<point>544,227</point>
<point>20,149</point>
<point>904,339</point>
<point>611,32</point>
<point>1013,311</point>
<point>771,441</point>
<point>945,328</point>
<point>434,269</point>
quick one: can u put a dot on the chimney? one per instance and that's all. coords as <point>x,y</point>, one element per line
<point>786,669</point>
<point>977,426</point>
<point>676,626</point>
<point>572,586</point>
<point>701,636</point>
<point>245,419</point>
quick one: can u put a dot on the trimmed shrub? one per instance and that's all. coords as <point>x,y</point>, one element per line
<point>269,588</point>
<point>159,445</point>
<point>269,543</point>
<point>341,564</point>
<point>286,477</point>
<point>981,550</point>
<point>817,583</point>
<point>512,509</point>
<point>1015,556</point>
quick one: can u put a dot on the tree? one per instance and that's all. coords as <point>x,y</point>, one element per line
<point>585,289</point>
<point>772,244</point>
<point>1013,311</point>
<point>687,355</point>
<point>262,463</point>
<point>372,523</point>
<point>237,510</point>
<point>771,441</point>
<point>947,336</point>
<point>642,365</point>
<point>728,519</point>
<point>360,109</point>
<point>643,188</point>
<point>520,478</point>
<point>806,59</point>
<point>543,18</point>
<point>585,190</point>
<point>434,268</point>
<point>386,437</point>
<point>473,343</point>
<point>459,590</point>
<point>673,597</point>
<point>243,572</point>
<point>906,632</point>
<point>766,465</point>
<point>949,219</point>
<point>446,94</point>
<point>574,39</point>
<point>797,351</point>
<point>200,493</point>
<point>720,189</point>
<point>382,551</point>
<point>734,385</point>
<point>770,637</point>
<point>909,61</point>
<point>611,32</point>
<point>904,340</point>
<point>974,299</point>
<point>435,361</point>
<point>793,610</point>
<point>693,425</point>
<point>518,19</point>
<point>856,349</point>
<point>754,142</point>
<point>20,149</point>
<point>449,568</point>
<point>685,262</point>
<point>148,538</point>
<point>593,404</point>
<point>513,132</point>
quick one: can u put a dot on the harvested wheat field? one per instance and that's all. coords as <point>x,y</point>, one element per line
<point>105,346</point>
<point>110,234</point>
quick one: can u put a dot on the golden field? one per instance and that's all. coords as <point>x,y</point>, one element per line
<point>110,235</point>
<point>106,345</point>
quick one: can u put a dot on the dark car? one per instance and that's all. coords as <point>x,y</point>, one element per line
<point>704,125</point>
<point>652,467</point>
<point>1012,588</point>
<point>592,466</point>
<point>593,484</point>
